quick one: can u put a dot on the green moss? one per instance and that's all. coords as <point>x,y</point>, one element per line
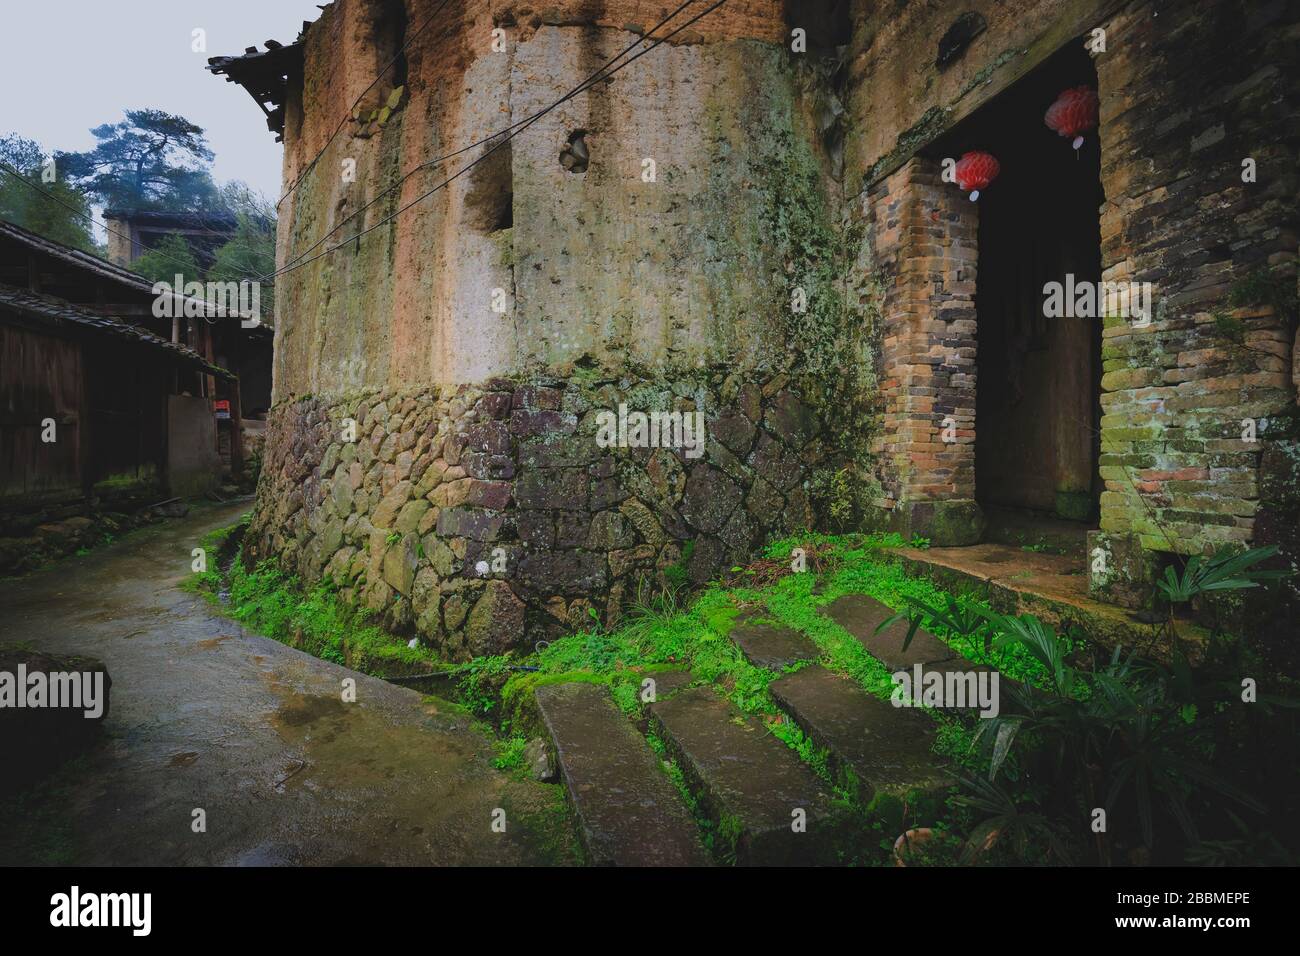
<point>510,753</point>
<point>675,574</point>
<point>1075,505</point>
<point>547,832</point>
<point>829,342</point>
<point>505,241</point>
<point>316,621</point>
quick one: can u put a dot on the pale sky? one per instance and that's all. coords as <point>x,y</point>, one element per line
<point>69,65</point>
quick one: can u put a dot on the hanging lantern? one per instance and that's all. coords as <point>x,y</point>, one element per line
<point>1074,112</point>
<point>975,170</point>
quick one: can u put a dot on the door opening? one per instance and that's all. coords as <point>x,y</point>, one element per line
<point>1037,413</point>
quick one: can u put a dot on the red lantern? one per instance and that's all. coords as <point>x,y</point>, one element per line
<point>975,170</point>
<point>1074,111</point>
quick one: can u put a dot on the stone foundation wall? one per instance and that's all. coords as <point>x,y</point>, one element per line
<point>488,517</point>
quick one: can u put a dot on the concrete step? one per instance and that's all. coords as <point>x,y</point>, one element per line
<point>629,812</point>
<point>749,782</point>
<point>886,748</point>
<point>770,645</point>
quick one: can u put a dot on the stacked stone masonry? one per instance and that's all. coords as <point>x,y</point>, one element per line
<point>484,517</point>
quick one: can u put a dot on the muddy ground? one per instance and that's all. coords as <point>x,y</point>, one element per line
<point>205,715</point>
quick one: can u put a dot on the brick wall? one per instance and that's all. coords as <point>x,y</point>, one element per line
<point>1184,100</point>
<point>923,234</point>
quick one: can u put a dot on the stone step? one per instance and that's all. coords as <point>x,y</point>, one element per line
<point>629,812</point>
<point>770,645</point>
<point>666,683</point>
<point>860,615</point>
<point>748,781</point>
<point>886,748</point>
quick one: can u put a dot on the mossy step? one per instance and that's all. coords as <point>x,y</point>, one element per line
<point>875,747</point>
<point>1052,587</point>
<point>666,683</point>
<point>860,615</point>
<point>629,813</point>
<point>770,645</point>
<point>753,786</point>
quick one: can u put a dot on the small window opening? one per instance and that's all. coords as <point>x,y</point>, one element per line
<point>575,157</point>
<point>390,41</point>
<point>489,201</point>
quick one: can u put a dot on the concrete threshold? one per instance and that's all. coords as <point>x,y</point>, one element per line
<point>1052,587</point>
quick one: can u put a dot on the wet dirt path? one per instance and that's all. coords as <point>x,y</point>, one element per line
<point>206,715</point>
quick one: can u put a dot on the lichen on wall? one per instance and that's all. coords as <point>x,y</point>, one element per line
<point>695,261</point>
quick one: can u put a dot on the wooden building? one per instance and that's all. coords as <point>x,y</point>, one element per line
<point>133,232</point>
<point>103,405</point>
<point>36,264</point>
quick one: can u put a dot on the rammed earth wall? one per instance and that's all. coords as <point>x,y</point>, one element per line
<point>762,232</point>
<point>696,263</point>
<point>482,516</point>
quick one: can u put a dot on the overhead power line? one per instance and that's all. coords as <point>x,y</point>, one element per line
<point>522,125</point>
<point>351,109</point>
<point>527,120</point>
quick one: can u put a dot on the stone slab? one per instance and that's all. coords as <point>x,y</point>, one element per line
<point>629,812</point>
<point>771,646</point>
<point>1052,587</point>
<point>748,777</point>
<point>668,682</point>
<point>887,748</point>
<point>860,615</point>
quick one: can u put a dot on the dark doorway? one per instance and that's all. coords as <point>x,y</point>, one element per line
<point>1037,413</point>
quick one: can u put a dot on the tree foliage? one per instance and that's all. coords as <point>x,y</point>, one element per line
<point>32,209</point>
<point>149,160</point>
<point>170,257</point>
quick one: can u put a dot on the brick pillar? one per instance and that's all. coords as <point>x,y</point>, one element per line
<point>924,243</point>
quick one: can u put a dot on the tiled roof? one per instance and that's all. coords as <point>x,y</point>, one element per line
<point>51,310</point>
<point>137,283</point>
<point>101,267</point>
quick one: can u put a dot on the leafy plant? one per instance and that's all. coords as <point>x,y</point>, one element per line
<point>956,617</point>
<point>1007,828</point>
<point>510,753</point>
<point>1117,739</point>
<point>1224,570</point>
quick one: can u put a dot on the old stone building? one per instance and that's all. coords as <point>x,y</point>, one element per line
<point>753,220</point>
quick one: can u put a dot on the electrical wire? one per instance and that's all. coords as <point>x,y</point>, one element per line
<point>489,152</point>
<point>581,87</point>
